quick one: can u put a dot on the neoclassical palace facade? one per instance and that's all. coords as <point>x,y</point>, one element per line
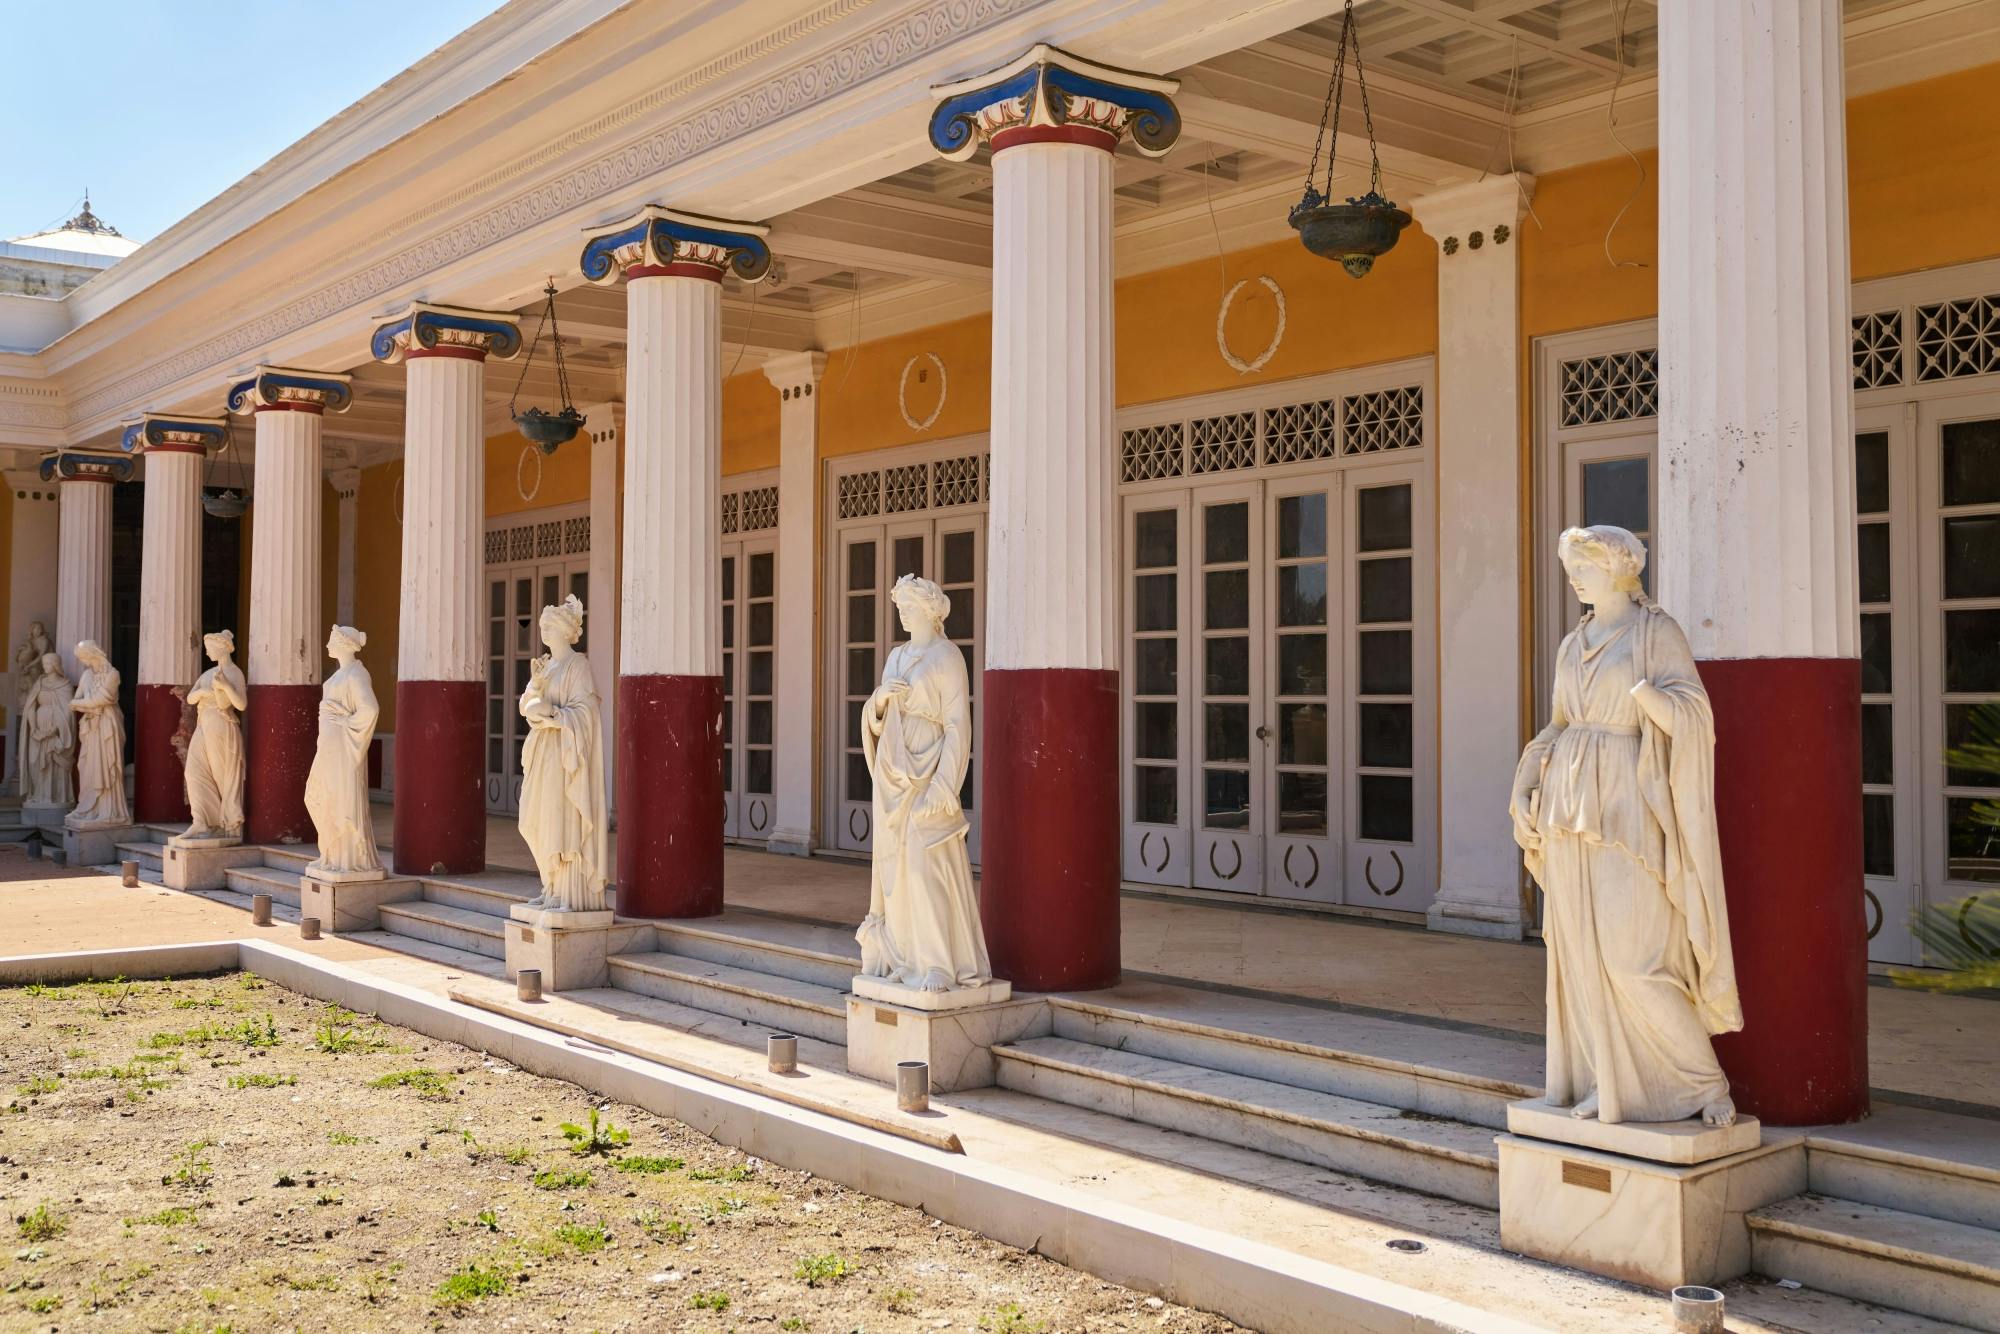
<point>1253,559</point>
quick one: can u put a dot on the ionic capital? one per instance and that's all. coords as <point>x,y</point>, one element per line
<point>1051,96</point>
<point>425,330</point>
<point>168,433</point>
<point>85,465</point>
<point>282,389</point>
<point>658,242</point>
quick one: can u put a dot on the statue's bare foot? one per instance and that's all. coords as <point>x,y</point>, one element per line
<point>1585,1110</point>
<point>1721,1112</point>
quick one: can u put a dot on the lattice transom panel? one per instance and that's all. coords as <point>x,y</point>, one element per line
<point>958,481</point>
<point>730,503</point>
<point>576,536</point>
<point>759,509</point>
<point>496,546</point>
<point>1616,387</point>
<point>1151,452</point>
<point>1383,420</point>
<point>521,544</point>
<point>906,488</point>
<point>860,495</point>
<point>1878,349</point>
<point>1958,338</point>
<point>1300,431</point>
<point>1225,442</point>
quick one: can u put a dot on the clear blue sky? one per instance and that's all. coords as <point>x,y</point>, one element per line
<point>160,105</point>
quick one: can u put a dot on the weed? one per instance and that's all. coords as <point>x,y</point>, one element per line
<point>111,996</point>
<point>203,1003</point>
<point>41,990</point>
<point>736,1172</point>
<point>250,1035</point>
<point>792,1322</point>
<point>900,1302</point>
<point>171,1216</point>
<point>158,1058</point>
<point>194,1171</point>
<point>328,1197</point>
<point>722,1208</point>
<point>709,1301</point>
<point>488,1220</point>
<point>324,1283</point>
<point>431,1084</point>
<point>820,1270</point>
<point>41,1225</point>
<point>336,1039</point>
<point>1009,1318</point>
<point>375,1285</point>
<point>586,1237</point>
<point>662,1229</point>
<point>518,1155</point>
<point>650,1166</point>
<point>41,1084</point>
<point>599,1138</point>
<point>262,1081</point>
<point>562,1180</point>
<point>44,1305</point>
<point>473,1282</point>
<point>250,982</point>
<point>78,1054</point>
<point>342,1137</point>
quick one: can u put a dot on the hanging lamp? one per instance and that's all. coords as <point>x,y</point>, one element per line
<point>233,500</point>
<point>1356,232</point>
<point>546,430</point>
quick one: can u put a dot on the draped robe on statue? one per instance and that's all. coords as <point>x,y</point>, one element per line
<point>100,751</point>
<point>337,784</point>
<point>48,742</point>
<point>562,785</point>
<point>1640,972</point>
<point>214,773</point>
<point>922,928</point>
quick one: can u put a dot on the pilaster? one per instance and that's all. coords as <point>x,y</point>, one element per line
<point>796,377</point>
<point>346,484</point>
<point>1481,604</point>
<point>83,480</point>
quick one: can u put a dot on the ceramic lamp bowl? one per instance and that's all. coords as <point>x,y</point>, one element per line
<point>1353,233</point>
<point>546,430</point>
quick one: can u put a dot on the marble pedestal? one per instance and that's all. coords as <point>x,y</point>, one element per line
<point>1657,1204</point>
<point>204,863</point>
<point>955,1031</point>
<point>570,948</point>
<point>43,816</point>
<point>94,845</point>
<point>351,900</point>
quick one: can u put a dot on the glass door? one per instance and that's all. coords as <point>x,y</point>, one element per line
<point>860,667</point>
<point>515,598</point>
<point>749,646</point>
<point>1156,654</point>
<point>1294,750</point>
<point>1229,705</point>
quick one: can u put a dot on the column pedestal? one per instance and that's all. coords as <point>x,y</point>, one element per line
<point>670,790</point>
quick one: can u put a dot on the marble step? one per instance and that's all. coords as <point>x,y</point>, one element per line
<point>489,892</point>
<point>782,1004</point>
<point>1415,1150</point>
<point>292,857</point>
<point>281,885</point>
<point>147,854</point>
<point>1912,1159</point>
<point>1464,1076</point>
<point>1929,1266</point>
<point>19,833</point>
<point>281,912</point>
<point>801,951</point>
<point>465,961</point>
<point>442,924</point>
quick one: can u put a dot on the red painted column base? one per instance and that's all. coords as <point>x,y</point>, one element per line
<point>281,732</point>
<point>440,777</point>
<point>1049,844</point>
<point>669,796</point>
<point>1788,807</point>
<point>159,780</point>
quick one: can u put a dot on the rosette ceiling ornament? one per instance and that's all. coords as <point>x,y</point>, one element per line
<point>1368,225</point>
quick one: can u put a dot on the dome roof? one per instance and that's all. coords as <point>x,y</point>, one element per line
<point>84,234</point>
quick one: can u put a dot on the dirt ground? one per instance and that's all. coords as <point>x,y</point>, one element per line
<point>221,1154</point>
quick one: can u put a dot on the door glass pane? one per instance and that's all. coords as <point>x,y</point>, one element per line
<point>757,772</point>
<point>1971,472</point>
<point>1614,492</point>
<point>763,574</point>
<point>762,621</point>
<point>760,672</point>
<point>958,621</point>
<point>1961,731</point>
<point>1302,664</point>
<point>1878,834</point>
<point>1386,808</point>
<point>1155,667</point>
<point>1385,590</point>
<point>1876,657</point>
<point>1385,662</point>
<point>1226,599</point>
<point>1302,804</point>
<point>1972,651</point>
<point>1226,798</point>
<point>909,557</point>
<point>1153,731</point>
<point>1226,533</point>
<point>1156,537</point>
<point>1871,472</point>
<point>1878,750</point>
<point>1158,795</point>
<point>1383,513</point>
<point>955,561</point>
<point>729,625</point>
<point>1302,594</point>
<point>1226,732</point>
<point>759,717</point>
<point>859,786</point>
<point>1972,557</point>
<point>1153,602</point>
<point>729,576</point>
<point>861,566</point>
<point>1302,734</point>
<point>860,618</point>
<point>1302,525</point>
<point>1386,737</point>
<point>1871,548</point>
<point>1972,849</point>
<point>1229,666</point>
<point>860,671</point>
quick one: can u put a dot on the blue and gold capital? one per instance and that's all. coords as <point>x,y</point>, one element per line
<point>659,241</point>
<point>284,389</point>
<point>85,465</point>
<point>1051,96</point>
<point>426,330</point>
<point>171,433</point>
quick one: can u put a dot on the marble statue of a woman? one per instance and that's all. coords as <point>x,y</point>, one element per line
<point>100,744</point>
<point>214,771</point>
<point>48,738</point>
<point>1614,805</point>
<point>337,784</point>
<point>562,769</point>
<point>922,931</point>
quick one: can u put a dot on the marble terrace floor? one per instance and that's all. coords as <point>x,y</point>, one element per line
<point>1941,1051</point>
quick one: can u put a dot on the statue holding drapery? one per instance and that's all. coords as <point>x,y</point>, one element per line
<point>48,737</point>
<point>214,768</point>
<point>562,769</point>
<point>100,743</point>
<point>337,783</point>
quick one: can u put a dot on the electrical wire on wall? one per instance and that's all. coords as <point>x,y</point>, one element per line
<point>1619,9</point>
<point>1507,109</point>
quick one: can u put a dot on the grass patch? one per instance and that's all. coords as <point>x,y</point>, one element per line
<point>41,1084</point>
<point>640,1163</point>
<point>40,1225</point>
<point>1009,1318</point>
<point>343,1138</point>
<point>709,1301</point>
<point>588,1238</point>
<point>262,1081</point>
<point>738,1172</point>
<point>173,1215</point>
<point>432,1084</point>
<point>818,1271</point>
<point>472,1283</point>
<point>562,1180</point>
<point>660,1229</point>
<point>193,1171</point>
<point>601,1138</point>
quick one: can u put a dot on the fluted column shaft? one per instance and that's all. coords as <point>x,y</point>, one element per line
<point>1756,520</point>
<point>286,629</point>
<point>83,558</point>
<point>670,658</point>
<point>170,626</point>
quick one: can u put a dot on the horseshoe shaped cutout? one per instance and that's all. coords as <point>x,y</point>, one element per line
<point>1232,872</point>
<point>758,816</point>
<point>1368,874</point>
<point>1876,904</point>
<point>859,835</point>
<point>1166,851</point>
<point>1297,883</point>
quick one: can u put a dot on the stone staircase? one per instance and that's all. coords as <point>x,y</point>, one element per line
<point>1891,1219</point>
<point>788,976</point>
<point>148,846</point>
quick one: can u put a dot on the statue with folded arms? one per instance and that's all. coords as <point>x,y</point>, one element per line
<point>562,769</point>
<point>214,771</point>
<point>337,783</point>
<point>100,743</point>
<point>1614,807</point>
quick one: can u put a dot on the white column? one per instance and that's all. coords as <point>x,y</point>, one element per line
<point>285,631</point>
<point>795,749</point>
<point>83,565</point>
<point>1481,657</point>
<point>347,488</point>
<point>170,626</point>
<point>31,584</point>
<point>602,621</point>
<point>673,478</point>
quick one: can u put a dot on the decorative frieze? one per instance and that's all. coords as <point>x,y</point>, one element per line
<point>425,330</point>
<point>1051,96</point>
<point>660,242</point>
<point>283,389</point>
<point>161,433</point>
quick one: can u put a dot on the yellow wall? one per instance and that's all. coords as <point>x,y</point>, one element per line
<point>749,424</point>
<point>565,475</point>
<point>1923,175</point>
<point>378,573</point>
<point>1566,281</point>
